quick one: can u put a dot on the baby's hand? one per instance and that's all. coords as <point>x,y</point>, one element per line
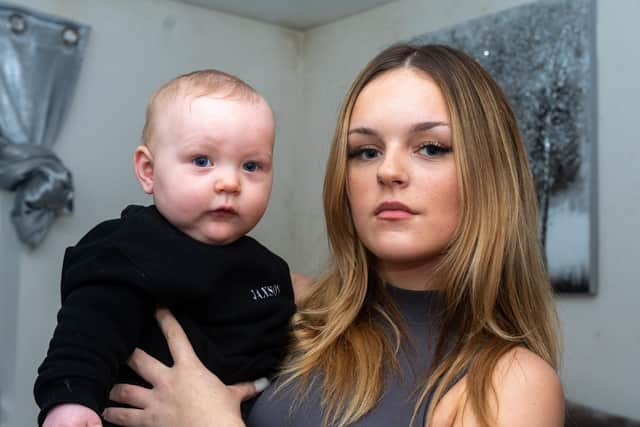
<point>71,415</point>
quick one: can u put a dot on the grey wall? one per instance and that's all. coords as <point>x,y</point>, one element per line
<point>602,334</point>
<point>9,283</point>
<point>136,45</point>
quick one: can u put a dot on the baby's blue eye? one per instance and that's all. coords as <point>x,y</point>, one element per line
<point>250,166</point>
<point>201,162</point>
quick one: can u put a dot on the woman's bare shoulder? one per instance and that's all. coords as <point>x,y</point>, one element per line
<point>528,394</point>
<point>528,390</point>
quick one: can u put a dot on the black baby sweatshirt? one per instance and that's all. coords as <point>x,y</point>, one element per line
<point>234,302</point>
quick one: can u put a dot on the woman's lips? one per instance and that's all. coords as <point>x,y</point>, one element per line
<point>393,210</point>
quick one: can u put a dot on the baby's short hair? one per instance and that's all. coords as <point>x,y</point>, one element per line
<point>194,85</point>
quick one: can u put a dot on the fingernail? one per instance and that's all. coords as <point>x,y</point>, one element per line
<point>260,384</point>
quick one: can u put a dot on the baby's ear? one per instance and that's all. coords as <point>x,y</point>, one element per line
<point>143,168</point>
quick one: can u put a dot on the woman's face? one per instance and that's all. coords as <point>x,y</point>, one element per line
<point>401,174</point>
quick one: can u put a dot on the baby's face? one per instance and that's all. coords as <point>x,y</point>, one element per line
<point>213,166</point>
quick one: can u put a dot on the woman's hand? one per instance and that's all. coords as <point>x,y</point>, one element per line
<point>186,394</point>
<point>301,286</point>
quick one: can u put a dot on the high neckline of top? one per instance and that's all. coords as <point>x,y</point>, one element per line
<point>416,306</point>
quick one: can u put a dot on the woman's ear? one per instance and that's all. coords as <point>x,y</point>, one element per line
<point>143,168</point>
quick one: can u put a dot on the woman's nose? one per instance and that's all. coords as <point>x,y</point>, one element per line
<point>392,169</point>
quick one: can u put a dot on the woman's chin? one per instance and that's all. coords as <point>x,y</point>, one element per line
<point>408,256</point>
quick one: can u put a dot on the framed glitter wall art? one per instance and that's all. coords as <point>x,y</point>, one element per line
<point>543,56</point>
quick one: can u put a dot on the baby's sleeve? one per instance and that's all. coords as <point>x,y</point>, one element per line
<point>99,325</point>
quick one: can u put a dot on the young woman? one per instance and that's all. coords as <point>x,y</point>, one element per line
<point>437,309</point>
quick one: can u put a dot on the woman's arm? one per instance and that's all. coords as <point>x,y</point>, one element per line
<point>528,394</point>
<point>186,394</point>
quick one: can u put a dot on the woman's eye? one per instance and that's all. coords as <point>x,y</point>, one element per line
<point>251,166</point>
<point>202,162</point>
<point>433,150</point>
<point>364,153</point>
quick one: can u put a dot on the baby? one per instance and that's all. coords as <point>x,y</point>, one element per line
<point>206,157</point>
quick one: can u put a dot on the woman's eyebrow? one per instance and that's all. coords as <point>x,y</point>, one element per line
<point>420,127</point>
<point>363,131</point>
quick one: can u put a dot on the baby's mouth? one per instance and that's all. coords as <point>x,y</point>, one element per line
<point>225,211</point>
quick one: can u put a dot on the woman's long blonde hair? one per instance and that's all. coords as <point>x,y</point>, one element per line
<point>497,291</point>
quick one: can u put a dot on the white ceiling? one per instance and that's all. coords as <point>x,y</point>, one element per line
<point>296,14</point>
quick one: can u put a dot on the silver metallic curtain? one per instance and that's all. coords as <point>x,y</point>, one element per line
<point>40,59</point>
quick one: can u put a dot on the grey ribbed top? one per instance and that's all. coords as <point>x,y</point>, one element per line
<point>397,402</point>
